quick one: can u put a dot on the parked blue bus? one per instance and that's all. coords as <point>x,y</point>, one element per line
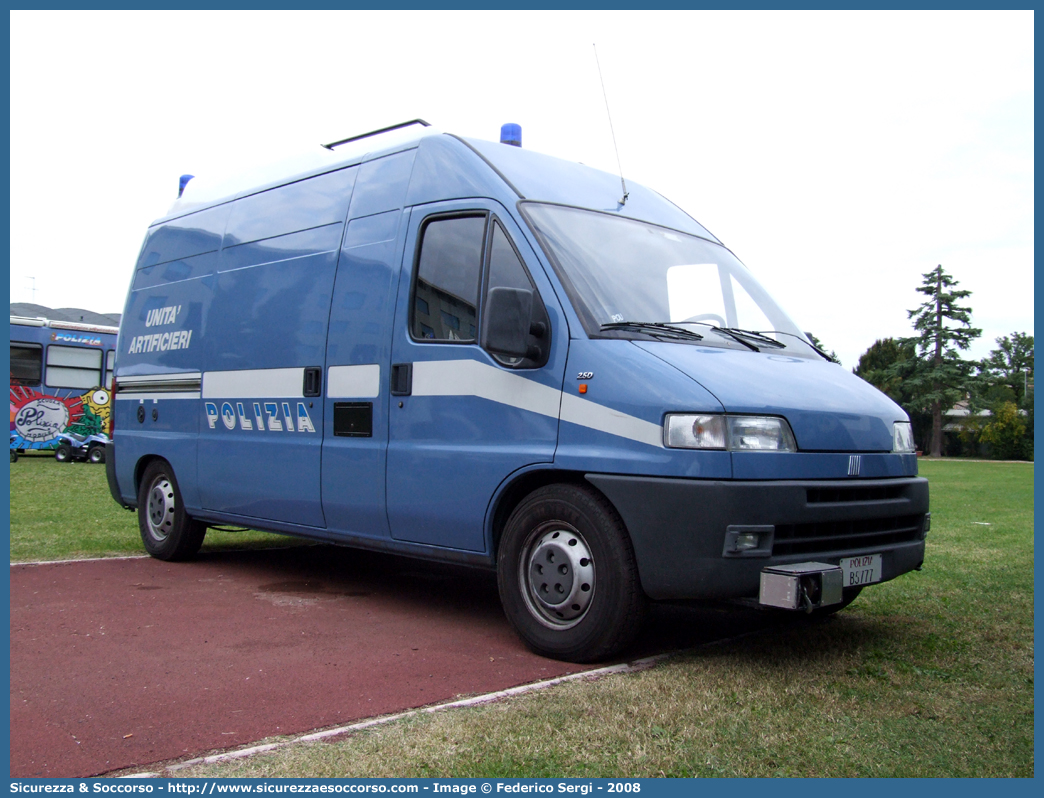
<point>61,381</point>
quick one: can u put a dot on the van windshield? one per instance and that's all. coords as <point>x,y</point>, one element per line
<point>623,276</point>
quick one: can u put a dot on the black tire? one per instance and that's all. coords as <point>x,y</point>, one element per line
<point>96,454</point>
<point>572,528</point>
<point>166,530</point>
<point>63,454</point>
<point>14,456</point>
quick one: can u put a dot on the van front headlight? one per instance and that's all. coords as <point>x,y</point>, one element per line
<point>902,437</point>
<point>732,433</point>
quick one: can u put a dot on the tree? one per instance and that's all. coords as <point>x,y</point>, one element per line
<point>1010,366</point>
<point>877,365</point>
<point>939,376</point>
<point>1005,381</point>
<point>819,345</point>
<point>1006,432</point>
<point>885,365</point>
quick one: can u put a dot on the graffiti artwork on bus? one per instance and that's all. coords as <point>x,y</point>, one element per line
<point>38,418</point>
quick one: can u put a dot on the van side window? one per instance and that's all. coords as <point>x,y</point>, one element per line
<point>73,367</point>
<point>506,271</point>
<point>505,268</point>
<point>445,306</point>
<point>26,364</point>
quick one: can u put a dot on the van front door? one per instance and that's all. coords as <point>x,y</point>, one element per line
<point>462,420</point>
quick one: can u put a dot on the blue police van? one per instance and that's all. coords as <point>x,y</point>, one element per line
<point>464,351</point>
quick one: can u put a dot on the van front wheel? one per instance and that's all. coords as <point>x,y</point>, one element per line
<point>567,575</point>
<point>166,530</point>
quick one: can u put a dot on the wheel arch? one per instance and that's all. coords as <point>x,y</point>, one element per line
<point>167,530</point>
<point>601,568</point>
<point>522,484</point>
<point>139,469</point>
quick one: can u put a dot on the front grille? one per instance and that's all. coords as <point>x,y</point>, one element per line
<point>845,535</point>
<point>865,493</point>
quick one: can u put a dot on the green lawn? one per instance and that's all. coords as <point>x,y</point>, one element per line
<point>928,675</point>
<point>63,511</point>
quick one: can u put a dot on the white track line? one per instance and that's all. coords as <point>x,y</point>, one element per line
<point>147,557</point>
<point>83,559</point>
<point>597,673</point>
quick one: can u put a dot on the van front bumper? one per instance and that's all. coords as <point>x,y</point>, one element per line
<point>679,528</point>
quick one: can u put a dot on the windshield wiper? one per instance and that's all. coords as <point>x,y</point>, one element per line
<point>657,328</point>
<point>744,336</point>
<point>762,339</point>
<point>809,344</point>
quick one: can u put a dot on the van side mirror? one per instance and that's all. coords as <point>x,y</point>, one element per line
<point>506,324</point>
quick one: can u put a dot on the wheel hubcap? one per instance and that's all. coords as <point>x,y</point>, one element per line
<point>559,576</point>
<point>160,515</point>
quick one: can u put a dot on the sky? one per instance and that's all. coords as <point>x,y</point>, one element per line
<point>839,155</point>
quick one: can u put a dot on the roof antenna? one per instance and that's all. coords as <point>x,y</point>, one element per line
<point>623,200</point>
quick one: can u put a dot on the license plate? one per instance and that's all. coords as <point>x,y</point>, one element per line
<point>862,570</point>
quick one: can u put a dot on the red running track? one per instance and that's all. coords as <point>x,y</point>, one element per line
<point>122,663</point>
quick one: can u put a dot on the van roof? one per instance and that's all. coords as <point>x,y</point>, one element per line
<point>530,175</point>
<point>544,178</point>
<point>202,193</point>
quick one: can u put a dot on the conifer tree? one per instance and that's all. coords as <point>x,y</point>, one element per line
<point>940,376</point>
<point>877,365</point>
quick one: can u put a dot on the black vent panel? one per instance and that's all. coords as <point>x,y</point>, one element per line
<point>831,536</point>
<point>863,493</point>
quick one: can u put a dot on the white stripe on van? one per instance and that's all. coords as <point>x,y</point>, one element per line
<point>267,383</point>
<point>430,378</point>
<point>471,378</point>
<point>354,382</point>
<point>599,417</point>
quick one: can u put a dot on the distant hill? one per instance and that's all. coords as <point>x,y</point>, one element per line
<point>65,314</point>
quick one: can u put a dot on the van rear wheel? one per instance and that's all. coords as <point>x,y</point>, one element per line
<point>567,575</point>
<point>166,530</point>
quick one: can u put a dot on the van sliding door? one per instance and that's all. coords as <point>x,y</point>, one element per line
<point>355,436</point>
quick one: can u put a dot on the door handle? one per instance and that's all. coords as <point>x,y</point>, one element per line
<point>313,381</point>
<point>401,379</point>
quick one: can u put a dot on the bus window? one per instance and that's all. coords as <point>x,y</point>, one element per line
<point>26,363</point>
<point>73,367</point>
<point>110,364</point>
